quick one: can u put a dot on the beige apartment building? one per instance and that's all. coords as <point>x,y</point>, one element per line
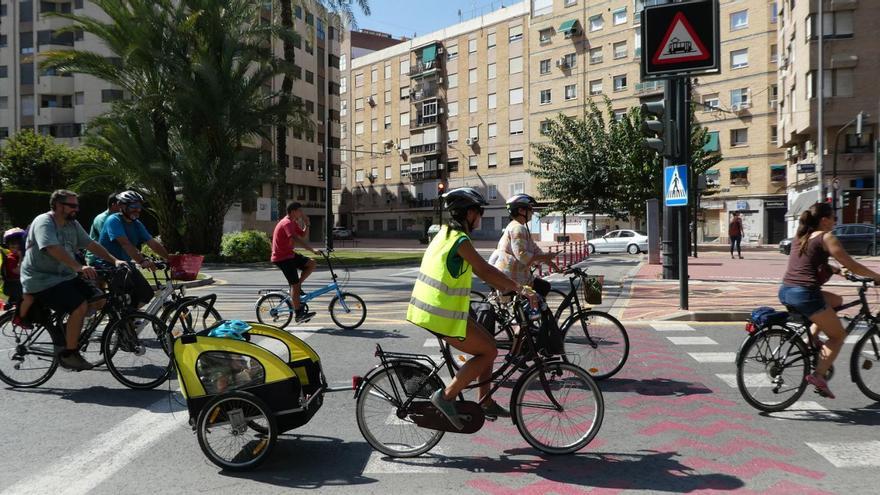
<point>462,106</point>
<point>851,65</point>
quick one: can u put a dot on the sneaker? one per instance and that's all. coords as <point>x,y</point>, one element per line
<point>821,385</point>
<point>19,322</point>
<point>301,317</point>
<point>447,407</point>
<point>73,360</point>
<point>494,411</point>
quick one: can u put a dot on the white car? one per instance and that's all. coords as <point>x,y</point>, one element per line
<point>620,241</point>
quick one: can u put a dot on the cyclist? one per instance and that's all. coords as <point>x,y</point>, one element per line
<point>98,223</point>
<point>440,300</point>
<point>289,232</point>
<point>516,251</point>
<point>123,235</point>
<point>50,271</point>
<point>807,271</point>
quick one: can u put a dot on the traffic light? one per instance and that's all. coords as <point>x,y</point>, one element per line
<point>657,130</point>
<point>846,197</point>
<point>441,188</point>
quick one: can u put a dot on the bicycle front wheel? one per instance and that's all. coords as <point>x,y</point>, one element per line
<point>770,369</point>
<point>865,364</point>
<point>27,357</point>
<point>597,342</point>
<point>377,410</point>
<point>558,406</point>
<point>136,350</point>
<point>274,309</point>
<point>349,311</point>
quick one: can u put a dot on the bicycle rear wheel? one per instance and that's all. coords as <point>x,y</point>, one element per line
<point>377,407</point>
<point>136,349</point>
<point>566,422</point>
<point>274,308</point>
<point>236,431</point>
<point>91,348</point>
<point>597,342</point>
<point>349,312</point>
<point>865,364</point>
<point>770,369</point>
<point>27,357</point>
<point>194,319</point>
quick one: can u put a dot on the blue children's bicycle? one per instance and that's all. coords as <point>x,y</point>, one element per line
<point>347,310</point>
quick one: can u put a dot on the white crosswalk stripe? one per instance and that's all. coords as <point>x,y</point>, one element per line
<point>849,454</point>
<point>713,357</point>
<point>805,409</point>
<point>692,341</point>
<point>432,462</point>
<point>672,327</point>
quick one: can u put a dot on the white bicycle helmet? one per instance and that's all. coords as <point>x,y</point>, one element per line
<point>129,197</point>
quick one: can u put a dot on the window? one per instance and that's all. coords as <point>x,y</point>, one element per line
<point>596,87</point>
<point>4,71</point>
<point>404,144</point>
<point>492,130</point>
<point>452,166</point>
<point>596,23</point>
<point>619,114</point>
<point>374,172</point>
<point>739,176</point>
<point>516,157</point>
<point>343,107</point>
<point>620,82</point>
<point>388,171</point>
<point>739,97</point>
<point>545,66</point>
<point>26,75</point>
<point>620,49</point>
<point>542,7</point>
<point>472,76</point>
<point>739,20</point>
<point>359,80</point>
<point>739,58</point>
<point>342,62</point>
<point>359,175</point>
<point>374,75</point>
<point>596,55</point>
<point>516,126</point>
<point>711,101</point>
<point>452,52</point>
<point>837,82</point>
<point>404,67</point>
<point>472,162</point>
<point>388,96</point>
<point>856,144</point>
<point>493,160</point>
<point>452,108</point>
<point>358,127</point>
<point>836,25</point>
<point>619,17</point>
<point>429,109</point>
<point>774,12</point>
<point>515,33</point>
<point>490,40</point>
<point>571,91</point>
<point>110,95</point>
<point>545,35</point>
<point>516,65</point>
<point>472,105</point>
<point>474,132</point>
<point>387,72</point>
<point>492,191</point>
<point>774,134</point>
<point>569,3</point>
<point>358,103</point>
<point>472,46</point>
<point>491,71</point>
<point>739,137</point>
<point>570,60</point>
<point>452,136</point>
<point>374,125</point>
<point>404,93</point>
<point>404,119</point>
<point>545,127</point>
<point>546,96</point>
<point>493,101</point>
<point>343,85</point>
<point>774,54</point>
<point>517,188</point>
<point>453,80</point>
<point>516,96</point>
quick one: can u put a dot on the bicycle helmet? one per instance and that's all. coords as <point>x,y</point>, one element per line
<point>518,201</point>
<point>13,233</point>
<point>230,329</point>
<point>463,198</point>
<point>129,197</point>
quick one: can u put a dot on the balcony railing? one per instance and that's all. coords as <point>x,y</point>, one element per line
<point>423,68</point>
<point>424,122</point>
<point>424,175</point>
<point>424,91</point>
<point>423,149</point>
<point>650,87</point>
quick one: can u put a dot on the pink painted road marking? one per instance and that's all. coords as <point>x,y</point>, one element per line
<point>702,412</point>
<point>686,399</point>
<point>751,468</point>
<point>707,430</point>
<point>543,487</point>
<point>731,447</point>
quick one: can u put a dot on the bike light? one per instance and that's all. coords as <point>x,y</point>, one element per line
<point>593,370</point>
<point>750,327</point>
<point>356,381</point>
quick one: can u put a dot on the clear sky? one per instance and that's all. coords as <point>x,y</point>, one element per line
<point>408,17</point>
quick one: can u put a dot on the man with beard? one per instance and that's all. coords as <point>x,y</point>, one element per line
<point>123,235</point>
<point>52,274</point>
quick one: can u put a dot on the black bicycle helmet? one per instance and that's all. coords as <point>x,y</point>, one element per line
<point>459,200</point>
<point>518,201</point>
<point>129,197</point>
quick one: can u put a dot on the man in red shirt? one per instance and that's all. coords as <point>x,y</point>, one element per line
<point>290,232</point>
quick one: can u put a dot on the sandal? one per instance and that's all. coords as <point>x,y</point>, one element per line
<point>821,385</point>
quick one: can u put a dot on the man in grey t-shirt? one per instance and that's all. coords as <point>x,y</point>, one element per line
<point>51,272</point>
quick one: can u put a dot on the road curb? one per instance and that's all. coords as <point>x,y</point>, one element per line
<point>208,280</point>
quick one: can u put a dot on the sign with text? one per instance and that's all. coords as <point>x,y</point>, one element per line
<point>680,39</point>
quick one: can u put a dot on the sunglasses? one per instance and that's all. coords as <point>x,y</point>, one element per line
<point>74,206</point>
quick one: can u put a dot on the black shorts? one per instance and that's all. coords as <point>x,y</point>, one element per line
<point>66,296</point>
<point>290,266</point>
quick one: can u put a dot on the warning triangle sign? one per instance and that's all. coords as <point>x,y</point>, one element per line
<point>675,189</point>
<point>680,44</point>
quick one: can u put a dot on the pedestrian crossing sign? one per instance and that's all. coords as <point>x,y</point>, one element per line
<point>675,185</point>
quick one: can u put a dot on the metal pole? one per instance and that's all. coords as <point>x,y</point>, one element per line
<point>820,85</point>
<point>670,267</point>
<point>683,135</point>
<point>328,184</point>
<point>876,189</point>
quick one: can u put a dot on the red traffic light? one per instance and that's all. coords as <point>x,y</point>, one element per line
<point>441,188</point>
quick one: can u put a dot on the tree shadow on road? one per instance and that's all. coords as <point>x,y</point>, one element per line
<point>654,386</point>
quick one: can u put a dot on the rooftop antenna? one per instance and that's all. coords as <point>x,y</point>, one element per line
<point>459,15</point>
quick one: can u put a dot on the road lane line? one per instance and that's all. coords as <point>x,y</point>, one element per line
<point>849,454</point>
<point>692,341</point>
<point>672,327</point>
<point>713,357</point>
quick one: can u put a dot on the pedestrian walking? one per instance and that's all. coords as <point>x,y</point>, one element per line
<point>735,233</point>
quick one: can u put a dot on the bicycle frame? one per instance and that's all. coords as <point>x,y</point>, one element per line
<point>306,297</point>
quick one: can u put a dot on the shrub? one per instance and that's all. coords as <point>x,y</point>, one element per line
<point>245,247</point>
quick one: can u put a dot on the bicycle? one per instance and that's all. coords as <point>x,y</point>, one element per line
<point>133,344</point>
<point>774,359</point>
<point>396,417</point>
<point>348,311</point>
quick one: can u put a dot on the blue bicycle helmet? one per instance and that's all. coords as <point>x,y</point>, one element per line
<point>230,329</point>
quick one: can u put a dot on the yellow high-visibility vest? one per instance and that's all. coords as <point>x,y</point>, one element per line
<point>440,299</point>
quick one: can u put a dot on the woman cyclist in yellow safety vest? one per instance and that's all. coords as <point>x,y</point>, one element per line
<point>441,298</point>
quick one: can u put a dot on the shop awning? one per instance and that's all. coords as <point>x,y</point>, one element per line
<point>429,54</point>
<point>568,26</point>
<point>739,169</point>
<point>713,171</point>
<point>712,144</point>
<point>777,167</point>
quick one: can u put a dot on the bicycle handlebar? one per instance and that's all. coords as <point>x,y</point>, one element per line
<point>858,278</point>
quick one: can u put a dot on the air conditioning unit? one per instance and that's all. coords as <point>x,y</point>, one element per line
<point>562,63</point>
<point>440,50</point>
<point>371,101</point>
<point>472,141</point>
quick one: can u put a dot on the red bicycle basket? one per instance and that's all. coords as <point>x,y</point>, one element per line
<point>185,266</point>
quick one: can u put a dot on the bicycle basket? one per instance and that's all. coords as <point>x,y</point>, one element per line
<point>591,285</point>
<point>185,266</point>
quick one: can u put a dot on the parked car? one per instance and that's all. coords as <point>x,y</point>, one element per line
<point>856,238</point>
<point>622,241</point>
<point>342,233</point>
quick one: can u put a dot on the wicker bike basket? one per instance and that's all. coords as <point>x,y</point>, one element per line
<point>591,285</point>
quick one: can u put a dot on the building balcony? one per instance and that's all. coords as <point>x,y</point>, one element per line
<point>650,87</point>
<point>424,149</point>
<point>424,69</point>
<point>55,115</point>
<point>424,91</point>
<point>424,175</point>
<point>423,122</point>
<point>55,85</point>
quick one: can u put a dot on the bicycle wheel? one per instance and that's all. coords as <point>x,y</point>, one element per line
<point>865,363</point>
<point>554,301</point>
<point>274,308</point>
<point>477,296</point>
<point>348,312</point>
<point>558,406</point>
<point>137,351</point>
<point>770,369</point>
<point>597,342</point>
<point>27,357</point>
<point>236,431</point>
<point>377,407</point>
<point>91,348</point>
<point>193,319</point>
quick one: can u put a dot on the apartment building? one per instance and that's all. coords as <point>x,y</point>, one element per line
<point>463,105</point>
<point>850,65</point>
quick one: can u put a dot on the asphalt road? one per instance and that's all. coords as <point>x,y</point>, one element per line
<point>673,422</point>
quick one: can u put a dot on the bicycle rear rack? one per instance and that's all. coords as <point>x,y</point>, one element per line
<point>268,291</point>
<point>385,355</point>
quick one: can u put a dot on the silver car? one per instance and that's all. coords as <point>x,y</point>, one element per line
<point>620,241</point>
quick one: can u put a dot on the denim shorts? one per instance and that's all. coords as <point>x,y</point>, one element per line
<point>804,300</point>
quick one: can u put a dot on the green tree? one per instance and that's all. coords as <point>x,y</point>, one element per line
<point>34,162</point>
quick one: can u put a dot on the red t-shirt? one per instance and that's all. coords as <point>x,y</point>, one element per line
<point>12,266</point>
<point>283,240</point>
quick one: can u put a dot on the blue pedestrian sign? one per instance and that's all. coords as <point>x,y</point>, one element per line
<point>675,185</point>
